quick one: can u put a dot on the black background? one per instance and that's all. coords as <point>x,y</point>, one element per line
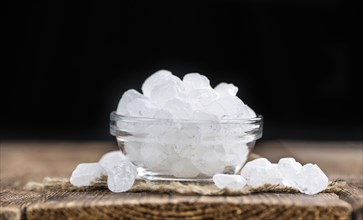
<point>296,62</point>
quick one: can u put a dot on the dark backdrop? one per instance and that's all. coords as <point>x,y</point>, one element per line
<point>296,62</point>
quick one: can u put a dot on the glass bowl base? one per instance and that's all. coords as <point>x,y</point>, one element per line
<point>151,176</point>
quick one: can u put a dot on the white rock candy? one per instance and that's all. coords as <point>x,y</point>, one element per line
<point>178,108</point>
<point>264,175</point>
<point>202,146</point>
<point>229,181</point>
<point>126,98</point>
<point>228,107</point>
<point>260,162</point>
<point>260,171</point>
<point>164,94</point>
<point>202,97</point>
<point>154,80</point>
<point>311,179</point>
<point>162,114</point>
<point>289,169</point>
<point>153,154</point>
<point>209,127</point>
<point>183,167</point>
<point>207,159</point>
<point>236,154</point>
<point>110,159</point>
<point>226,89</point>
<point>169,89</point>
<point>121,177</point>
<point>204,116</point>
<point>192,81</point>
<point>141,107</point>
<point>188,134</point>
<point>85,173</point>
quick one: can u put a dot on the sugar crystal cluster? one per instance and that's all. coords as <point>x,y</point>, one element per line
<point>167,96</point>
<point>186,129</point>
<point>175,144</point>
<point>86,173</point>
<point>120,172</point>
<point>308,179</point>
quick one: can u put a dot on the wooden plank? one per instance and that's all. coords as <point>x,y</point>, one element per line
<point>23,162</point>
<point>353,194</point>
<point>339,160</point>
<point>102,204</point>
<point>10,213</point>
<point>13,202</point>
<point>32,161</point>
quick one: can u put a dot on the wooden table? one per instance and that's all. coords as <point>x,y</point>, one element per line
<point>22,162</point>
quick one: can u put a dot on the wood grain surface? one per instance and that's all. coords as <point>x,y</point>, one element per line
<point>22,162</point>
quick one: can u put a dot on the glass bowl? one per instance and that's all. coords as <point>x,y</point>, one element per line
<point>185,150</point>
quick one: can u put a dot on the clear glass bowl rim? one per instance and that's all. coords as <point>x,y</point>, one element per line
<point>256,120</point>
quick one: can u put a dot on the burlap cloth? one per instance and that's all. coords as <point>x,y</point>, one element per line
<point>183,188</point>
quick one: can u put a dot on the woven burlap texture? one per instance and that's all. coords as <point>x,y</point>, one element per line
<point>183,188</point>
